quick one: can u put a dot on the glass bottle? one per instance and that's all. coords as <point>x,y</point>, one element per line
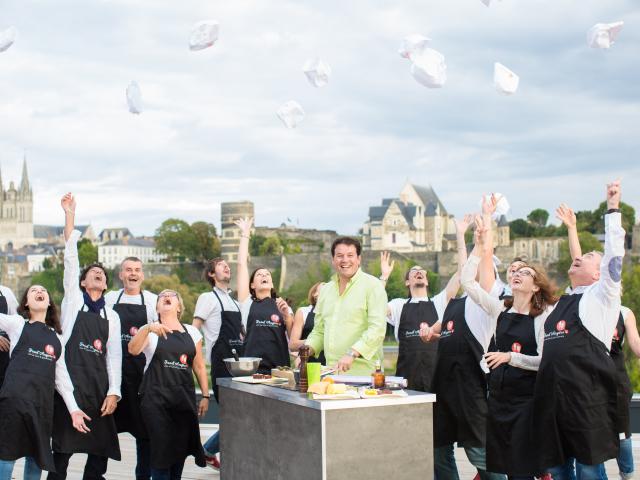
<point>377,377</point>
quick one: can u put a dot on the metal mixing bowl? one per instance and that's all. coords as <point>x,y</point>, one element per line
<point>243,367</point>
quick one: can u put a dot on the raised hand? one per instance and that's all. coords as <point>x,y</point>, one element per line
<point>480,233</point>
<point>463,224</point>
<point>244,224</point>
<point>159,329</point>
<point>68,203</point>
<point>386,264</point>
<point>613,194</point>
<point>283,307</point>
<point>490,203</point>
<point>566,215</point>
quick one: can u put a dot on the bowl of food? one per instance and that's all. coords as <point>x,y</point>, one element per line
<point>243,366</point>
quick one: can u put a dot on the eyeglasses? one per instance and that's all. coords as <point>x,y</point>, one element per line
<point>168,294</point>
<point>524,273</point>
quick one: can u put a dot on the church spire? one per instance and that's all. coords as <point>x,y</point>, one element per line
<point>24,183</point>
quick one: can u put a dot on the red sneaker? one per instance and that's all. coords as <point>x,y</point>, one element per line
<point>213,462</point>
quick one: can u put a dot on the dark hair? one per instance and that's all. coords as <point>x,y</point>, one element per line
<point>406,278</point>
<point>346,241</point>
<point>542,298</point>
<point>52,319</point>
<point>211,268</point>
<point>312,292</point>
<point>130,259</point>
<point>86,269</point>
<point>518,259</point>
<point>252,291</point>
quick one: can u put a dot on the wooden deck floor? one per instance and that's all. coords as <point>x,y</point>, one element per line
<point>125,469</point>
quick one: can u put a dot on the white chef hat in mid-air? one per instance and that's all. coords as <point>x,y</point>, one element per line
<point>603,35</point>
<point>7,37</point>
<point>291,114</point>
<point>317,72</point>
<point>134,98</point>
<point>413,45</point>
<point>203,35</point>
<point>505,80</point>
<point>429,69</point>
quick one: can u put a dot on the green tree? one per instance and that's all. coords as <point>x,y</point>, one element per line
<point>538,217</point>
<point>255,244</point>
<point>628,219</point>
<point>520,228</point>
<point>631,299</point>
<point>299,289</point>
<point>588,243</point>
<point>206,242</point>
<point>175,238</point>
<point>271,246</point>
<point>48,263</point>
<point>51,279</point>
<point>87,252</point>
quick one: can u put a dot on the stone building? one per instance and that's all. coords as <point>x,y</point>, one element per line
<point>229,233</point>
<point>416,221</point>
<point>16,212</point>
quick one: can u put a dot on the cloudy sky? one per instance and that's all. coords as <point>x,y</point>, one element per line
<point>209,132</point>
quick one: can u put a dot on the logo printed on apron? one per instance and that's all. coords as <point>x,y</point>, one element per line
<point>47,353</point>
<point>560,332</point>
<point>516,347</point>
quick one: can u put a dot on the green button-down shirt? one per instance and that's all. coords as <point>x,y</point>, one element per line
<point>354,320</point>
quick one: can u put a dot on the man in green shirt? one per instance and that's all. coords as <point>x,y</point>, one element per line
<point>350,321</point>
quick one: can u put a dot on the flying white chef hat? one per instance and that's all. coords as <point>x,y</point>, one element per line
<point>429,68</point>
<point>317,72</point>
<point>603,35</point>
<point>134,98</point>
<point>502,207</point>
<point>505,81</point>
<point>203,35</point>
<point>413,45</point>
<point>7,37</point>
<point>291,114</point>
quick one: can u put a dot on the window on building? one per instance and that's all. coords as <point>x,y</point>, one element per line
<point>393,238</point>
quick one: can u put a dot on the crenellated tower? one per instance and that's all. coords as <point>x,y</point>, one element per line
<point>16,211</point>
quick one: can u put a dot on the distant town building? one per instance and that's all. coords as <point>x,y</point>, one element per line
<point>54,234</point>
<point>113,252</point>
<point>308,240</point>
<point>109,234</point>
<point>416,221</point>
<point>16,212</point>
<point>229,233</point>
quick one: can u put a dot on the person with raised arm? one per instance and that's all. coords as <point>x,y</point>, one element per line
<point>135,307</point>
<point>93,357</point>
<point>417,359</point>
<point>36,370</point>
<point>217,314</point>
<point>459,380</point>
<point>266,317</point>
<point>173,352</point>
<point>575,411</point>
<point>518,323</point>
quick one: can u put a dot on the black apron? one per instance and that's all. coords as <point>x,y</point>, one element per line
<point>509,440</point>
<point>266,335</point>
<point>416,359</point>
<point>231,336</point>
<point>575,402</point>
<point>307,328</point>
<point>625,390</point>
<point>86,359</point>
<point>127,416</point>
<point>26,397</point>
<point>460,412</point>
<point>168,402</point>
<point>4,356</point>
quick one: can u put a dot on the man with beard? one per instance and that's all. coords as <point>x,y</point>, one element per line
<point>136,308</point>
<point>217,314</point>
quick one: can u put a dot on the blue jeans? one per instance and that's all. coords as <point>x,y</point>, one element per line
<point>445,463</point>
<point>581,472</point>
<point>31,469</point>
<point>173,473</point>
<point>212,446</point>
<point>625,457</point>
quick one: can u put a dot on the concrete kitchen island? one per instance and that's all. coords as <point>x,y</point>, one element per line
<point>272,433</point>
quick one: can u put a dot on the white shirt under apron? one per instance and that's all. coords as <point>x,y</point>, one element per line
<point>13,325</point>
<point>73,301</point>
<point>599,307</point>
<point>150,302</point>
<point>208,310</point>
<point>152,343</point>
<point>494,307</point>
<point>12,303</point>
<point>396,305</point>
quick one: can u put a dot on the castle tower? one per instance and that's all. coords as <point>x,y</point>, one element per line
<point>16,212</point>
<point>229,233</point>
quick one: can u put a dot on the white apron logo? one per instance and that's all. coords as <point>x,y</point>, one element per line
<point>516,347</point>
<point>269,323</point>
<point>560,332</point>
<point>183,359</point>
<point>412,333</point>
<point>275,319</point>
<point>181,364</point>
<point>49,353</point>
<point>126,337</point>
<point>133,331</point>
<point>96,348</point>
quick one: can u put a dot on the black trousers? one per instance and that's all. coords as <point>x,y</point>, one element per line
<point>94,469</point>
